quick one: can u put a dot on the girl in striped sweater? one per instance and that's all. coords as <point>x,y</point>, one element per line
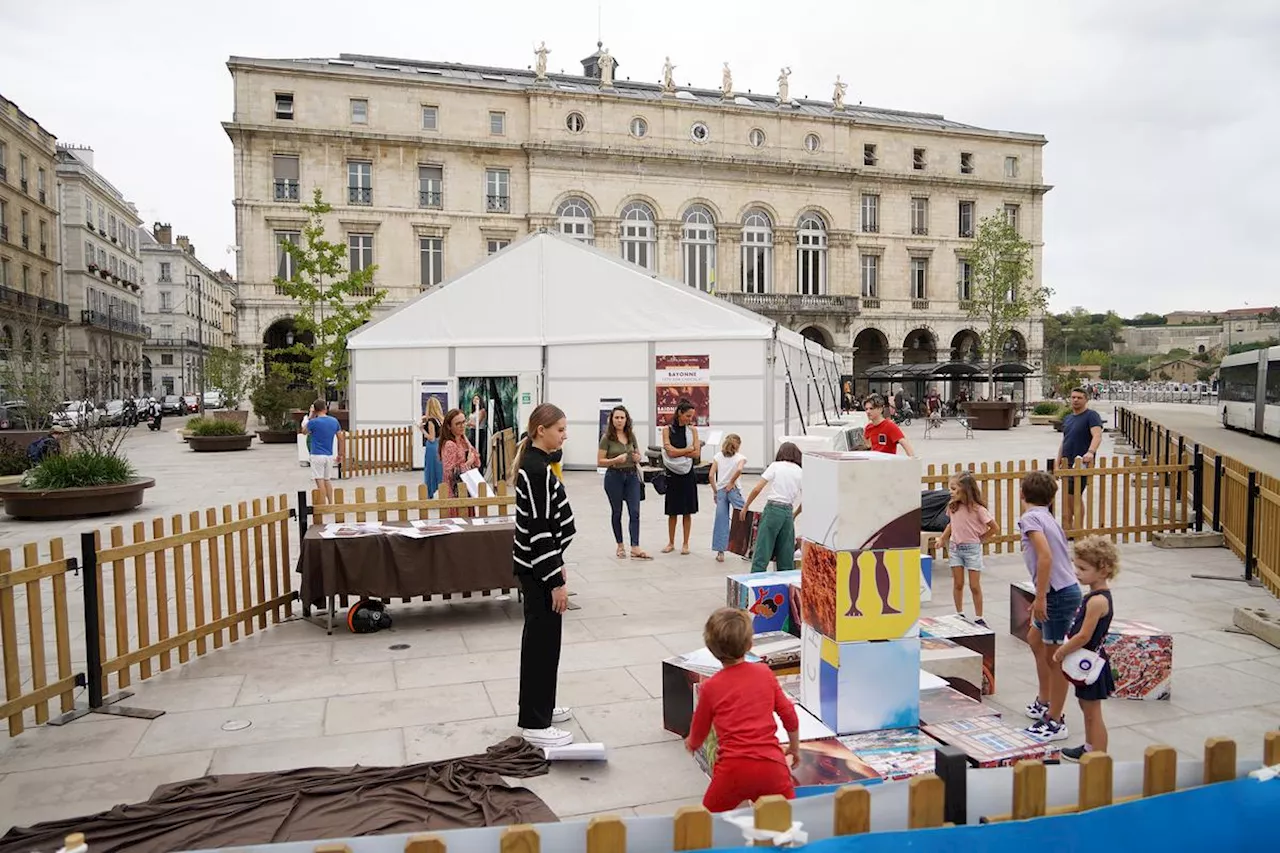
<point>544,529</point>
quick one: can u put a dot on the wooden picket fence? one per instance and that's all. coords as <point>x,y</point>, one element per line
<point>194,582</point>
<point>375,451</point>
<point>926,803</point>
<point>402,507</point>
<point>1125,498</point>
<point>1238,501</point>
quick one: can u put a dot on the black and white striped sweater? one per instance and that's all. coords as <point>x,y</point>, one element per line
<point>544,521</point>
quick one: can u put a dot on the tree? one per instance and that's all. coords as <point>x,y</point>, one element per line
<point>31,362</point>
<point>1096,356</point>
<point>1148,319</point>
<point>332,299</point>
<point>1141,374</point>
<point>1003,295</point>
<point>1204,374</point>
<point>231,372</point>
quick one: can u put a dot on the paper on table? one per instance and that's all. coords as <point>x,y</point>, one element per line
<point>434,527</point>
<point>473,479</point>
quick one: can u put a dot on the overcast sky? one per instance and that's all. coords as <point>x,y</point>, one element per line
<point>1161,116</point>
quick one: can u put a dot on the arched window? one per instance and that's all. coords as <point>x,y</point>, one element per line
<point>639,235</point>
<point>698,248</point>
<point>6,342</point>
<point>27,346</point>
<point>44,344</point>
<point>576,220</point>
<point>811,255</point>
<point>757,252</point>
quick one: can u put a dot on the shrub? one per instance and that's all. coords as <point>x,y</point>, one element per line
<point>1045,407</point>
<point>82,468</point>
<point>205,427</point>
<point>13,460</point>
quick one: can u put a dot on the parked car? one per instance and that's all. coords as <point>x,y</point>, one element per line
<point>191,403</point>
<point>119,413</point>
<point>214,400</point>
<point>14,415</point>
<point>75,413</point>
<point>172,405</point>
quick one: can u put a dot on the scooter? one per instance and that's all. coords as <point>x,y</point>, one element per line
<point>154,424</point>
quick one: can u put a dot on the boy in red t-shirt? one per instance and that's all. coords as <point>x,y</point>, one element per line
<point>740,702</point>
<point>883,435</point>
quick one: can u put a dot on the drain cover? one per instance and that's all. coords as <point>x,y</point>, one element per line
<point>399,647</point>
<point>235,725</point>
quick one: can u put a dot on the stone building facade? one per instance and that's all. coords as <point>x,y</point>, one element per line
<point>101,281</point>
<point>33,312</point>
<point>188,308</point>
<point>847,223</point>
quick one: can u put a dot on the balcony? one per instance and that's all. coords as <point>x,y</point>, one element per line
<point>966,305</point>
<point>431,198</point>
<point>42,197</point>
<point>498,203</point>
<point>920,230</point>
<point>870,302</point>
<point>4,233</point>
<point>793,304</point>
<point>172,343</point>
<point>871,228</point>
<point>286,189</point>
<point>44,249</point>
<point>919,304</point>
<point>360,195</point>
<point>4,174</point>
<point>23,183</point>
<point>25,301</point>
<point>101,320</point>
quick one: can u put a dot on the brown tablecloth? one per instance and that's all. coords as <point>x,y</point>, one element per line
<point>391,566</point>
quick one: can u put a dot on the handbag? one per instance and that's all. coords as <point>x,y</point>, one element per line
<point>659,482</point>
<point>1083,667</point>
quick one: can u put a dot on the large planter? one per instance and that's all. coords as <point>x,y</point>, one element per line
<point>219,443</point>
<point>991,415</point>
<point>278,436</point>
<point>74,503</point>
<point>239,417</point>
<point>343,417</point>
<point>1042,420</point>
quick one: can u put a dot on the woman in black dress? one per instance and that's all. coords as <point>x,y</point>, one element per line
<point>680,452</point>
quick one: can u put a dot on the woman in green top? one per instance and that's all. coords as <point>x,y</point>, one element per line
<point>619,456</point>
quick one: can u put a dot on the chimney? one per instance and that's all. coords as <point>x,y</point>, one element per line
<point>185,244</point>
<point>163,233</point>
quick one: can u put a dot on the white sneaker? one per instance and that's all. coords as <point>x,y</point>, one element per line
<point>550,736</point>
<point>561,715</point>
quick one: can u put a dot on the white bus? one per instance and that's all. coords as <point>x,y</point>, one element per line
<point>1249,390</point>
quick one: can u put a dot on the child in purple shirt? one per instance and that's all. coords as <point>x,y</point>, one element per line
<point>1048,559</point>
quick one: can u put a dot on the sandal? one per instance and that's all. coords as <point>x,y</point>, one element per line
<point>622,553</point>
<point>720,557</point>
<point>668,549</point>
<point>684,552</point>
<point>640,555</point>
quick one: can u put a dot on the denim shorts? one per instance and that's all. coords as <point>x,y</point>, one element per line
<point>966,556</point>
<point>1060,606</point>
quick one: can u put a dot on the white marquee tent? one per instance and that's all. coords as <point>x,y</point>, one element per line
<point>574,325</point>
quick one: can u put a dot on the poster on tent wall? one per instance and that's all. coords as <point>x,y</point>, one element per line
<point>682,377</point>
<point>429,389</point>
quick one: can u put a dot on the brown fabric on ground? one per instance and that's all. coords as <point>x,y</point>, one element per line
<point>311,804</point>
<point>391,566</point>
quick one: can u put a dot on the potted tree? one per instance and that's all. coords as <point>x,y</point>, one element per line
<point>1002,296</point>
<point>332,301</point>
<point>273,401</point>
<point>230,372</point>
<point>206,435</point>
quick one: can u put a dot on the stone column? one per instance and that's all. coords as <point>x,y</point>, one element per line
<point>784,263</point>
<point>668,249</point>
<point>607,235</point>
<point>843,274</point>
<point>728,258</point>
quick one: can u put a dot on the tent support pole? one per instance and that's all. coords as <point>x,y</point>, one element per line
<point>813,375</point>
<point>786,364</point>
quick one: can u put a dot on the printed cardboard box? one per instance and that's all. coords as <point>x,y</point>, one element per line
<point>926,577</point>
<point>766,596</point>
<point>972,637</point>
<point>860,687</point>
<point>795,603</point>
<point>894,753</point>
<point>683,674</point>
<point>742,533</point>
<point>990,742</point>
<point>945,704</point>
<point>1021,594</point>
<point>961,667</point>
<point>811,729</point>
<point>861,595</point>
<point>860,501</point>
<point>1141,658</point>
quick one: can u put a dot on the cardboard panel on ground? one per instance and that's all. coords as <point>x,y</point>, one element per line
<point>861,500</point>
<point>972,637</point>
<point>766,596</point>
<point>894,753</point>
<point>961,667</point>
<point>945,704</point>
<point>990,742</point>
<point>860,595</point>
<point>859,687</point>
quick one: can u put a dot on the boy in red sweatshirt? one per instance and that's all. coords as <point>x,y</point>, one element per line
<point>740,702</point>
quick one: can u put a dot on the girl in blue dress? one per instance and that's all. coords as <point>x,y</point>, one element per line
<point>430,426</point>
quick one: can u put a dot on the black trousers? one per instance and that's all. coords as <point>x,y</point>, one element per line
<point>539,656</point>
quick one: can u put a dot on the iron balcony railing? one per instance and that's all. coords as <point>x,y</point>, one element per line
<point>286,189</point>
<point>794,303</point>
<point>100,319</point>
<point>37,304</point>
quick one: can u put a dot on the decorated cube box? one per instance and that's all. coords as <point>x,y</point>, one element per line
<point>990,742</point>
<point>795,602</point>
<point>860,501</point>
<point>1021,594</point>
<point>972,637</point>
<point>894,753</point>
<point>766,596</point>
<point>682,675</point>
<point>926,577</point>
<point>961,667</point>
<point>860,687</point>
<point>861,595</point>
<point>1141,658</point>
<point>945,704</point>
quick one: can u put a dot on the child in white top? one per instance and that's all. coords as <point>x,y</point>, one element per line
<point>726,468</point>
<point>776,534</point>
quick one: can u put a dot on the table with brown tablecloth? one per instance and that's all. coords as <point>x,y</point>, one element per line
<point>388,565</point>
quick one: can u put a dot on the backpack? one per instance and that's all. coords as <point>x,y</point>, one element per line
<point>43,448</point>
<point>368,616</point>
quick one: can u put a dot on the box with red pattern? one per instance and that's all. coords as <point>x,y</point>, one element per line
<point>1141,658</point>
<point>861,501</point>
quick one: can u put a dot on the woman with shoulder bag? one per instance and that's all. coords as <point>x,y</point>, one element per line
<point>680,451</point>
<point>619,456</point>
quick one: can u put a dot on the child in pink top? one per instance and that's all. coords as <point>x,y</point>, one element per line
<point>970,524</point>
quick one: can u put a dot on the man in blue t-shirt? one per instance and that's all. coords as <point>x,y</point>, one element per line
<point>323,430</point>
<point>1081,435</point>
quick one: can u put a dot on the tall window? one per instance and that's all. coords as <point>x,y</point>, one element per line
<point>496,246</point>
<point>166,300</point>
<point>284,106</point>
<point>698,248</point>
<point>919,278</point>
<point>359,111</point>
<point>757,252</point>
<point>285,267</point>
<point>1011,167</point>
<point>430,117</point>
<point>111,226</point>
<point>870,213</point>
<point>166,269</point>
<point>359,182</point>
<point>40,184</point>
<point>576,220</point>
<point>871,276</point>
<point>964,281</point>
<point>1011,215</point>
<point>89,256</point>
<point>497,123</point>
<point>965,225</point>
<point>430,186</point>
<point>869,156</point>
<point>497,188</point>
<point>919,216</point>
<point>431,253</point>
<point>811,255</point>
<point>285,171</point>
<point>361,246</point>
<point>639,235</point>
<point>102,220</point>
<point>966,163</point>
<point>88,211</point>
